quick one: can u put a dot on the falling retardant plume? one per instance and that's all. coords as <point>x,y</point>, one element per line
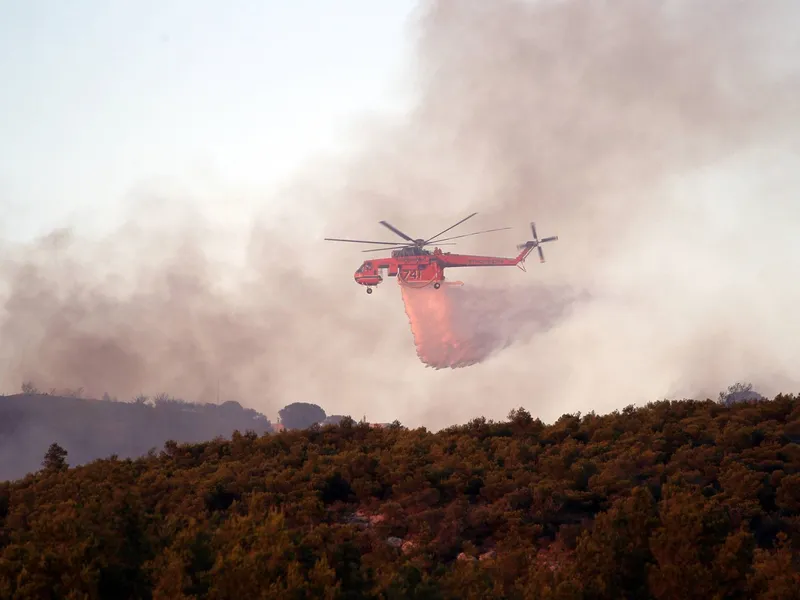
<point>440,342</point>
<point>656,139</point>
<point>457,326</point>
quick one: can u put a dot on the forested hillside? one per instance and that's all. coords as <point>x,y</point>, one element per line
<point>91,429</point>
<point>676,500</point>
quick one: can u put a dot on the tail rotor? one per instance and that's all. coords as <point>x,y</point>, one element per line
<point>536,242</point>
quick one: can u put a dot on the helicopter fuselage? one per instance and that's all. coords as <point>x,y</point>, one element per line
<point>415,266</point>
<point>418,267</point>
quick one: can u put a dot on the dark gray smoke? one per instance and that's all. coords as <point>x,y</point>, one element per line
<point>656,139</point>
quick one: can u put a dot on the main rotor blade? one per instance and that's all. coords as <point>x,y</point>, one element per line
<point>361,241</point>
<point>449,228</point>
<point>455,237</point>
<point>398,247</point>
<point>397,231</point>
<point>385,249</point>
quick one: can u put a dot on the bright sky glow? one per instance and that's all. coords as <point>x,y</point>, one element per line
<point>99,97</point>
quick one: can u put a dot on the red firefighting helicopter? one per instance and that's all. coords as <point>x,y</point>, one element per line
<point>415,266</point>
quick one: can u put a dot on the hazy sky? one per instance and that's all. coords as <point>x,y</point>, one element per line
<point>657,140</point>
<point>99,97</point>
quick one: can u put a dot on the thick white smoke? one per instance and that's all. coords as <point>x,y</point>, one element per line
<point>657,140</point>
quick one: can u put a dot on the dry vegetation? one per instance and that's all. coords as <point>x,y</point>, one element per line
<point>675,500</point>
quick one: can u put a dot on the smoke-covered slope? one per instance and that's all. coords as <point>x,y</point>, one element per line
<point>92,429</point>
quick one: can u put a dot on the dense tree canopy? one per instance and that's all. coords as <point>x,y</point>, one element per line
<point>673,501</point>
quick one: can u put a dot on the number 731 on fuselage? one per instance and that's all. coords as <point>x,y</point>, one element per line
<point>415,266</point>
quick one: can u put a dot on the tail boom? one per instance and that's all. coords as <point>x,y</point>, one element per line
<point>527,248</point>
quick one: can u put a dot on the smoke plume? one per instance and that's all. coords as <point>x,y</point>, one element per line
<point>654,138</point>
